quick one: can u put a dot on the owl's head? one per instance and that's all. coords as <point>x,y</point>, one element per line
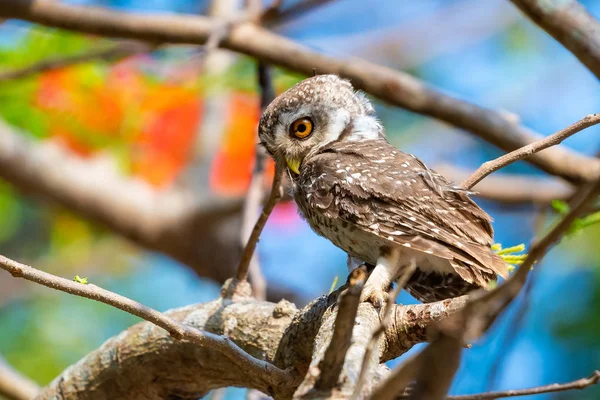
<point>312,114</point>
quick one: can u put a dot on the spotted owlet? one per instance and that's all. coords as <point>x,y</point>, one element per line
<point>380,205</point>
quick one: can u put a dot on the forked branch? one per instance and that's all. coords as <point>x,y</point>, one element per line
<point>175,328</point>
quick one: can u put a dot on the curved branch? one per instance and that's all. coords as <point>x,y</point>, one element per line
<point>527,151</point>
<point>579,384</point>
<point>389,85</point>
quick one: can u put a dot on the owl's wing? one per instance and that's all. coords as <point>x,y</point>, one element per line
<point>395,196</point>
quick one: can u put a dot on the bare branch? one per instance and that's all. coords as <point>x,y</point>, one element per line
<point>527,151</point>
<point>274,197</point>
<point>333,361</point>
<point>570,24</point>
<point>409,324</point>
<point>14,386</point>
<point>389,85</point>
<point>175,328</point>
<point>255,194</point>
<point>115,52</point>
<point>579,384</point>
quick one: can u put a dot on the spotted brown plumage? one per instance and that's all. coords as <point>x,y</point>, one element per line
<point>380,205</point>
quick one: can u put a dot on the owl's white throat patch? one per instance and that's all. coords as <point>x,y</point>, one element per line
<point>365,127</point>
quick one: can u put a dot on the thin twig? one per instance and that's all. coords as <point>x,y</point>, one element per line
<point>13,385</point>
<point>274,196</point>
<point>526,151</point>
<point>332,363</point>
<point>383,326</point>
<point>118,51</point>
<point>390,85</point>
<point>255,193</point>
<point>175,328</point>
<point>579,384</point>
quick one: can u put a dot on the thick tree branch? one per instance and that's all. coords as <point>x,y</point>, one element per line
<point>579,384</point>
<point>145,363</point>
<point>272,376</point>
<point>392,86</point>
<point>570,24</point>
<point>115,52</point>
<point>527,151</point>
<point>13,385</point>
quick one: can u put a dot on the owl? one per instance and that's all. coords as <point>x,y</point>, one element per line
<point>381,206</point>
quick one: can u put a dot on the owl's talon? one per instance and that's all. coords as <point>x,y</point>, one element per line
<point>376,296</point>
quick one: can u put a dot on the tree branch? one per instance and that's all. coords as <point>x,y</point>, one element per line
<point>570,24</point>
<point>145,363</point>
<point>114,52</point>
<point>223,345</point>
<point>389,85</point>
<point>255,194</point>
<point>14,386</point>
<point>274,197</point>
<point>579,384</point>
<point>527,151</point>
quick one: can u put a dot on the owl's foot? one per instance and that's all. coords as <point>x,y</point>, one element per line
<point>375,290</point>
<point>375,295</point>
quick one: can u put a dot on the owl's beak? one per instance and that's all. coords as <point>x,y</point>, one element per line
<point>294,165</point>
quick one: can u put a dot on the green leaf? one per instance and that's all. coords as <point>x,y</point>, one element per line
<point>509,255</point>
<point>333,284</point>
<point>510,250</point>
<point>78,279</point>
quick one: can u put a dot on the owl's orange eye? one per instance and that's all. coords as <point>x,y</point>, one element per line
<point>302,128</point>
